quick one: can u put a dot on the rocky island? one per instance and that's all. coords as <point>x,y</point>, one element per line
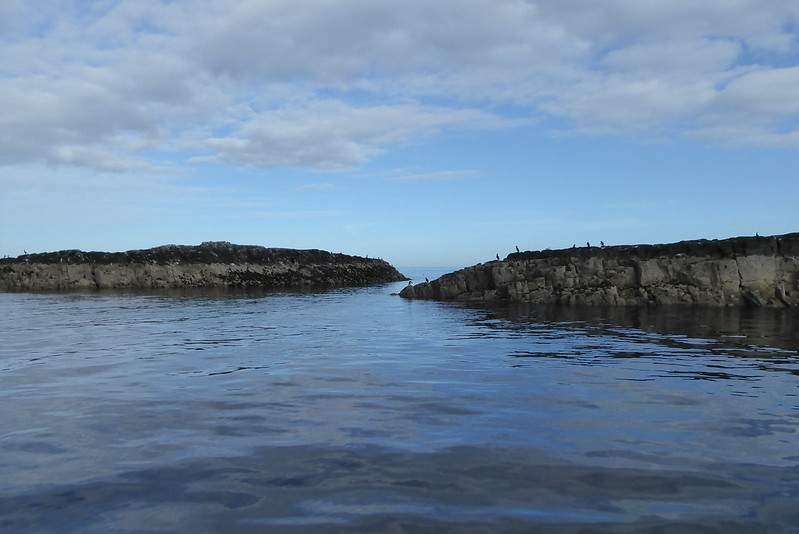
<point>742,271</point>
<point>211,264</point>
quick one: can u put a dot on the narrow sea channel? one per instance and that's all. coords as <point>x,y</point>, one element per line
<point>355,410</point>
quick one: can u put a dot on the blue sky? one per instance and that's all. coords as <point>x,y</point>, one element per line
<point>434,136</point>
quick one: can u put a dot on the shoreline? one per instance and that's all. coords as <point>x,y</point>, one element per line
<point>208,265</point>
<point>740,271</point>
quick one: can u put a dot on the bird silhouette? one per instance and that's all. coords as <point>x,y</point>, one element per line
<point>601,243</point>
<point>497,257</point>
<point>588,244</point>
<point>517,248</point>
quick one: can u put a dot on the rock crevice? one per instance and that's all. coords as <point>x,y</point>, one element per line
<point>742,271</point>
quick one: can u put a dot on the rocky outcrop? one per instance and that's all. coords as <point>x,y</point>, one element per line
<point>211,264</point>
<point>742,271</point>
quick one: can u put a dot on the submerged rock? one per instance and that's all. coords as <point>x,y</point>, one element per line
<point>742,271</point>
<point>211,264</point>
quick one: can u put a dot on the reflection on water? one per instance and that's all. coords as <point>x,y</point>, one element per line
<point>356,410</point>
<point>768,338</point>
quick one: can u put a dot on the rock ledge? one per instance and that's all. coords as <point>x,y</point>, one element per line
<point>211,264</point>
<point>741,271</point>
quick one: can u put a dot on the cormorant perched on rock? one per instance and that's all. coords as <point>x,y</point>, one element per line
<point>410,282</point>
<point>426,280</point>
<point>756,235</point>
<point>574,247</point>
<point>601,243</point>
<point>497,257</point>
<point>517,248</point>
<point>25,251</point>
<point>588,244</point>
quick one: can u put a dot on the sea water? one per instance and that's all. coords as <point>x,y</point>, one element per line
<point>355,410</point>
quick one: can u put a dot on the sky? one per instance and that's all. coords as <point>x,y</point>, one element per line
<point>426,133</point>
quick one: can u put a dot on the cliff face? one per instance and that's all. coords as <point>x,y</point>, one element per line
<point>743,271</point>
<point>212,264</point>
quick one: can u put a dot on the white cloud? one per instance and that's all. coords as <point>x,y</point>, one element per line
<point>680,59</point>
<point>765,93</point>
<point>321,186</point>
<point>330,135</point>
<point>437,176</point>
<point>297,214</point>
<point>331,84</point>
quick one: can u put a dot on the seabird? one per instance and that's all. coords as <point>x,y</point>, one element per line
<point>497,257</point>
<point>426,280</point>
<point>25,251</point>
<point>410,281</point>
<point>517,248</point>
<point>574,246</point>
<point>601,243</point>
<point>588,244</point>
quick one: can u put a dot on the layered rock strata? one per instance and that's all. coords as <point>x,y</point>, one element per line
<point>211,264</point>
<point>742,271</point>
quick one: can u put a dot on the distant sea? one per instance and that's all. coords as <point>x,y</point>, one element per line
<point>355,410</point>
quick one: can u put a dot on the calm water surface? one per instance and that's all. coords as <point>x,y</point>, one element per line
<point>355,410</point>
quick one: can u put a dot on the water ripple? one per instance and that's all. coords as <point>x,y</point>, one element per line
<point>356,409</point>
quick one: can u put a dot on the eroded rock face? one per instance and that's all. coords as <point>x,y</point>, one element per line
<point>211,264</point>
<point>743,271</point>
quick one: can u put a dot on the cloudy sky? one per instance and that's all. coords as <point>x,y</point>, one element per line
<point>427,133</point>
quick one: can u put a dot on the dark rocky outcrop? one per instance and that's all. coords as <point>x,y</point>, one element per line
<point>742,271</point>
<point>211,264</point>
